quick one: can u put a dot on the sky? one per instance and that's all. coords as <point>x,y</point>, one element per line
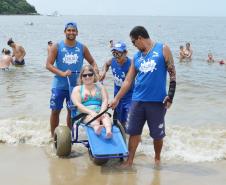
<point>132,7</point>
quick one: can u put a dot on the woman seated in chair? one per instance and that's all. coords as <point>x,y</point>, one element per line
<point>92,99</point>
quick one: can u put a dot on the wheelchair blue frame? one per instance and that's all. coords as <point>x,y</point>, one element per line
<point>98,146</point>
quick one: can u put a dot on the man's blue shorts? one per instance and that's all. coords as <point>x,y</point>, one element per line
<point>153,113</point>
<point>122,111</point>
<point>57,98</point>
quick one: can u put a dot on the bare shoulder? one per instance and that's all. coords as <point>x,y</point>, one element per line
<point>85,48</point>
<point>76,88</point>
<point>166,51</point>
<point>108,62</point>
<point>53,48</point>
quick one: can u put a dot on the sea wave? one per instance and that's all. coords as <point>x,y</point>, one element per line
<point>181,143</point>
<point>191,144</point>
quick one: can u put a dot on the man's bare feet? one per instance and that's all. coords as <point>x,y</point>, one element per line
<point>157,165</point>
<point>126,165</point>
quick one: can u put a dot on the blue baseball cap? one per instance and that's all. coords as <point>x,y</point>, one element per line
<point>70,24</point>
<point>119,46</point>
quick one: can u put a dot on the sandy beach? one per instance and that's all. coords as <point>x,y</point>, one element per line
<point>27,165</point>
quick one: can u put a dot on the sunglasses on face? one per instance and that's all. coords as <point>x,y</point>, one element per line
<point>87,75</point>
<point>117,54</point>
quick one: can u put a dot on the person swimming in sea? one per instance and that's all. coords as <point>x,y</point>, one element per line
<point>210,58</point>
<point>6,60</point>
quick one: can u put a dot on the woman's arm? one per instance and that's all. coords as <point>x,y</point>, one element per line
<point>105,98</point>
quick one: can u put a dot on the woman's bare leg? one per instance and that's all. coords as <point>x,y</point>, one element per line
<point>107,124</point>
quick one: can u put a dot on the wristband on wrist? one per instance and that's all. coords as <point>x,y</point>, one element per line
<point>172,89</point>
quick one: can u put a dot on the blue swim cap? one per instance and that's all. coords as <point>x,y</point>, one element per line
<point>70,24</point>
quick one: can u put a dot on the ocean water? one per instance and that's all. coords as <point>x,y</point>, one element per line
<point>195,124</point>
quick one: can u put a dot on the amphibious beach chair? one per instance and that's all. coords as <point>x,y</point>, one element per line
<point>100,149</point>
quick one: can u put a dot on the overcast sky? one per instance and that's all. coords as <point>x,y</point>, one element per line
<point>132,7</point>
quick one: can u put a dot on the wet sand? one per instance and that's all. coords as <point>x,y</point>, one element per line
<point>27,165</point>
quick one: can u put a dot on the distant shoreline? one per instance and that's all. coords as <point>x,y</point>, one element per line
<point>22,14</point>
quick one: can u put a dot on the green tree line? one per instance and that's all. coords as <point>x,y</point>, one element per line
<point>16,7</point>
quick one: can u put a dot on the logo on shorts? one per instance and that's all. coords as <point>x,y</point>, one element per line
<point>52,103</point>
<point>161,125</point>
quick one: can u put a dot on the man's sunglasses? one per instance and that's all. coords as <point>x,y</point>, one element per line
<point>87,75</point>
<point>117,54</point>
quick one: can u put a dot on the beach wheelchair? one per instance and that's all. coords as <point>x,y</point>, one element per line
<point>99,148</point>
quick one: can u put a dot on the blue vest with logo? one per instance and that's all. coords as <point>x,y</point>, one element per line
<point>150,82</point>
<point>68,58</point>
<point>119,72</point>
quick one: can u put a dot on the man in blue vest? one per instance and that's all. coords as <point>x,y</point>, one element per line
<point>149,100</point>
<point>64,58</point>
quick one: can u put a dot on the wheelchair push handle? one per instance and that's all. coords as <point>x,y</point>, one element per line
<point>68,77</point>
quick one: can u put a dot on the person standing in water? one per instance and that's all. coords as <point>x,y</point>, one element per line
<point>18,52</point>
<point>149,100</point>
<point>64,58</point>
<point>120,65</point>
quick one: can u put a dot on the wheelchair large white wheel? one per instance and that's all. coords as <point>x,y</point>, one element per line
<point>97,161</point>
<point>62,141</point>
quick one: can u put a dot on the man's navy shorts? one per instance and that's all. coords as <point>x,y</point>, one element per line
<point>57,98</point>
<point>122,111</point>
<point>153,113</point>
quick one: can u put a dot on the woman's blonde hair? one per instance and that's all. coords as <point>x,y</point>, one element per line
<point>90,69</point>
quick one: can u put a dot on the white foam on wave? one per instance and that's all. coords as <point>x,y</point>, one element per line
<point>181,143</point>
<point>190,144</point>
<point>15,131</point>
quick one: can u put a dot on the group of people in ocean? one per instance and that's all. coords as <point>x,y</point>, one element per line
<point>185,52</point>
<point>185,55</point>
<point>210,59</point>
<point>17,57</point>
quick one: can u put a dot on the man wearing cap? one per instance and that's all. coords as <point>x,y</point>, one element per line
<point>149,100</point>
<point>120,65</point>
<point>64,58</point>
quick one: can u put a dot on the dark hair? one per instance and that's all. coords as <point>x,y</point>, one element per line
<point>188,44</point>
<point>139,31</point>
<point>90,69</point>
<point>50,42</point>
<point>10,41</point>
<point>6,51</point>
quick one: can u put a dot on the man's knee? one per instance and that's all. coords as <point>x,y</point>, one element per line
<point>55,112</point>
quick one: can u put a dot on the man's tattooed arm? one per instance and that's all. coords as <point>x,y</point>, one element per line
<point>172,73</point>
